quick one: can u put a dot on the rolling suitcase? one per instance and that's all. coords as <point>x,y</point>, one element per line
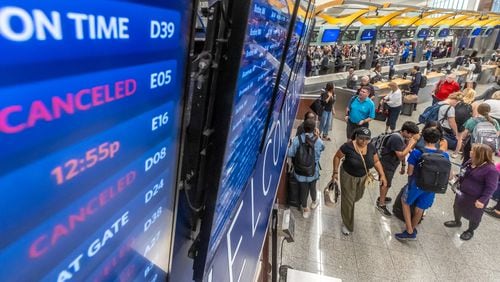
<point>407,109</point>
<point>292,190</point>
<point>397,208</point>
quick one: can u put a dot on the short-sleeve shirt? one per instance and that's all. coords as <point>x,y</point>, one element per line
<point>361,110</point>
<point>389,159</point>
<point>353,164</point>
<point>414,158</point>
<point>471,123</point>
<point>443,117</point>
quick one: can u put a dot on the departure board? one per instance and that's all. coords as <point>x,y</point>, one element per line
<point>91,98</point>
<point>266,34</point>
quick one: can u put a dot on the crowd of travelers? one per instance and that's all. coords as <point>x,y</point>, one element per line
<point>459,121</point>
<point>326,59</point>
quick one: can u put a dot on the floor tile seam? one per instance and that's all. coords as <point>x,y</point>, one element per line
<point>400,272</point>
<point>429,260</point>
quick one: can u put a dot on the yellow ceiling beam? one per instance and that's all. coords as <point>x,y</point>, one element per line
<point>483,23</point>
<point>382,20</point>
<point>409,21</point>
<point>468,22</point>
<point>433,21</point>
<point>333,3</point>
<point>456,20</point>
<point>346,20</point>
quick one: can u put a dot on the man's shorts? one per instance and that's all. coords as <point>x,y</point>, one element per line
<point>422,199</point>
<point>389,175</point>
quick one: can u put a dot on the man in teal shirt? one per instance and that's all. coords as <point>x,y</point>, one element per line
<point>359,112</point>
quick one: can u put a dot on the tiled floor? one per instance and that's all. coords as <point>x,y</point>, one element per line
<point>371,253</point>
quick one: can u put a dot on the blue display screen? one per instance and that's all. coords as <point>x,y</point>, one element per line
<point>476,31</point>
<point>423,33</point>
<point>488,32</point>
<point>368,34</point>
<point>445,32</point>
<point>266,34</point>
<point>90,117</point>
<point>330,35</point>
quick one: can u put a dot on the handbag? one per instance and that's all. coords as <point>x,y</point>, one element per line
<point>381,113</point>
<point>369,179</point>
<point>331,193</point>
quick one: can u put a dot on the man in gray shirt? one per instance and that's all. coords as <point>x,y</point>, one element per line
<point>446,118</point>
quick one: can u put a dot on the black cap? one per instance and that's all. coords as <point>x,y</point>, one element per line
<point>362,132</point>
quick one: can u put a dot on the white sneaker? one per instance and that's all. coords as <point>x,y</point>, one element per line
<point>345,231</point>
<point>306,213</point>
<point>314,204</point>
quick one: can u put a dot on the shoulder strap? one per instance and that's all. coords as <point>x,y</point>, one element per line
<point>445,116</point>
<point>363,159</point>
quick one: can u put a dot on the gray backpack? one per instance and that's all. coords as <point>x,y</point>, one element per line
<point>486,133</point>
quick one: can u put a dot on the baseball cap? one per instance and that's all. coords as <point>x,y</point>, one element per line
<point>362,132</point>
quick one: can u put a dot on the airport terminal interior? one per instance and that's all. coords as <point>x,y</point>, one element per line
<point>250,140</point>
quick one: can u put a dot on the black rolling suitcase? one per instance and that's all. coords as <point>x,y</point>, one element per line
<point>293,190</point>
<point>397,208</point>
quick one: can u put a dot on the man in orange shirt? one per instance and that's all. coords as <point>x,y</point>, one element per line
<point>445,88</point>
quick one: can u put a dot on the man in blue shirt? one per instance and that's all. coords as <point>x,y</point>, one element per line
<point>360,111</point>
<point>307,184</point>
<point>414,195</point>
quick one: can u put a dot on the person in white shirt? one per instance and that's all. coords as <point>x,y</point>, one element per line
<point>494,103</point>
<point>446,117</point>
<point>393,101</point>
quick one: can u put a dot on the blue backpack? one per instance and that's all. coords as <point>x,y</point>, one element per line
<point>431,113</point>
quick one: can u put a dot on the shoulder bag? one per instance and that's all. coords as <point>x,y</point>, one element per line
<point>369,179</point>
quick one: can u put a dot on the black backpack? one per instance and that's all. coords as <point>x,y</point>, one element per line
<point>432,172</point>
<point>477,69</point>
<point>304,161</point>
<point>463,112</point>
<point>380,141</point>
<point>423,81</point>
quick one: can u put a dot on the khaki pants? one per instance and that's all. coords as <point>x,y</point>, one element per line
<point>352,190</point>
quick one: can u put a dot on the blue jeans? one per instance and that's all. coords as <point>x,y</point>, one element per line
<point>326,122</point>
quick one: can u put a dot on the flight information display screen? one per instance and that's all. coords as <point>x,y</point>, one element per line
<point>330,35</point>
<point>423,33</point>
<point>91,98</point>
<point>488,32</point>
<point>266,34</point>
<point>445,32</point>
<point>476,31</point>
<point>368,34</point>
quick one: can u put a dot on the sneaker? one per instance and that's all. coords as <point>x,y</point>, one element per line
<point>345,231</point>
<point>454,155</point>
<point>492,213</point>
<point>383,210</point>
<point>314,205</point>
<point>387,200</point>
<point>405,236</point>
<point>452,223</point>
<point>306,213</point>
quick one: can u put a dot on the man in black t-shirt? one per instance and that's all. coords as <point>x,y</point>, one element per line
<point>394,151</point>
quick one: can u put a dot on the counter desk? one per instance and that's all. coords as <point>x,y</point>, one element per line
<point>487,74</point>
